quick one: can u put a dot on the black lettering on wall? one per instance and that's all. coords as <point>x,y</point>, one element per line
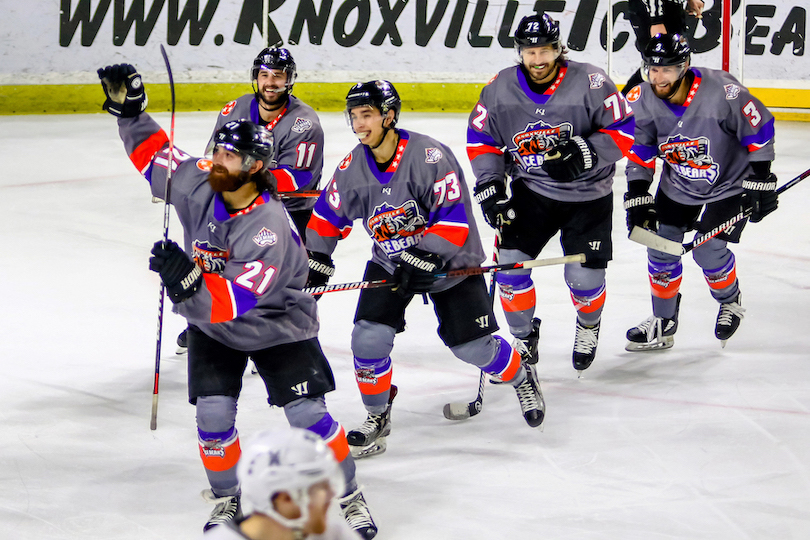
<point>454,30</point>
<point>504,39</point>
<point>143,27</point>
<point>363,8</point>
<point>712,24</point>
<point>316,22</point>
<point>68,25</point>
<point>197,25</point>
<point>474,37</point>
<point>251,17</point>
<point>752,29</point>
<point>792,31</point>
<point>550,6</point>
<point>424,27</point>
<point>581,27</point>
<point>619,41</point>
<point>389,23</point>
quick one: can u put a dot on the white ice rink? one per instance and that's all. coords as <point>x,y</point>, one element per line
<point>696,442</point>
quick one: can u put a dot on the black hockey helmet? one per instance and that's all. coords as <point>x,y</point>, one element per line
<point>252,141</point>
<point>536,31</point>
<point>275,58</point>
<point>378,94</point>
<point>667,50</point>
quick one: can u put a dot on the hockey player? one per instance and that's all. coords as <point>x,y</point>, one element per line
<point>288,480</point>
<point>716,142</point>
<point>557,127</point>
<point>240,290</point>
<point>409,191</point>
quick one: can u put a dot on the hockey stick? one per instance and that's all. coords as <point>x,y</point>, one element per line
<point>659,243</point>
<point>166,213</point>
<point>473,271</point>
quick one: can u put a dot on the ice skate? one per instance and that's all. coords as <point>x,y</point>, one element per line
<point>585,342</point>
<point>355,511</point>
<point>526,347</point>
<point>227,509</point>
<point>728,319</point>
<point>654,334</point>
<point>182,342</point>
<point>531,398</point>
<point>369,439</point>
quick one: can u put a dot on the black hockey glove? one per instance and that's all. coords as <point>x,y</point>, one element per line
<point>569,159</point>
<point>321,268</point>
<point>640,206</point>
<point>177,271</point>
<point>760,196</point>
<point>415,272</point>
<point>498,209</point>
<point>123,87</point>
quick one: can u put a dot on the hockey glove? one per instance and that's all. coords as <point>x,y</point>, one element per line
<point>640,206</point>
<point>177,271</point>
<point>498,209</point>
<point>126,97</point>
<point>760,196</point>
<point>321,268</point>
<point>415,272</point>
<point>569,159</point>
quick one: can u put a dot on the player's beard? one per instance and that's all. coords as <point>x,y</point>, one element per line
<point>276,101</point>
<point>668,91</point>
<point>221,180</point>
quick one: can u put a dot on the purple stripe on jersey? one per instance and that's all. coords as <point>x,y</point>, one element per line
<point>383,177</point>
<point>761,137</point>
<point>517,281</point>
<point>452,214</point>
<point>625,125</point>
<point>540,99</point>
<point>644,152</point>
<point>323,209</point>
<point>220,211</point>
<point>302,177</point>
<point>244,299</point>
<point>324,427</point>
<point>254,113</point>
<point>501,359</point>
<point>476,137</point>
<point>216,435</point>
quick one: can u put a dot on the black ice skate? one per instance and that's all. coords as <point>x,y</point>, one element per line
<point>728,319</point>
<point>585,342</point>
<point>526,347</point>
<point>182,342</point>
<point>355,511</point>
<point>654,334</point>
<point>227,509</point>
<point>369,439</point>
<point>531,398</point>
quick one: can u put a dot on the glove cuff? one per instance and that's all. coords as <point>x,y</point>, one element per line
<point>322,268</point>
<point>632,201</point>
<point>764,184</point>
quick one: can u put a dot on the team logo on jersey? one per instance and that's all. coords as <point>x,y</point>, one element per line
<point>395,229</point>
<point>433,155</point>
<point>634,93</point>
<point>301,125</point>
<point>265,237</point>
<point>506,292</point>
<point>228,108</point>
<point>346,162</point>
<point>538,138</point>
<point>204,164</point>
<point>365,376</point>
<point>596,80</point>
<point>210,258</point>
<point>732,91</point>
<point>690,158</point>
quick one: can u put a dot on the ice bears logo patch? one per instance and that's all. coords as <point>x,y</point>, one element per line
<point>732,91</point>
<point>433,155</point>
<point>596,80</point>
<point>690,157</point>
<point>265,237</point>
<point>395,229</point>
<point>536,140</point>
<point>344,164</point>
<point>301,125</point>
<point>228,108</point>
<point>209,257</point>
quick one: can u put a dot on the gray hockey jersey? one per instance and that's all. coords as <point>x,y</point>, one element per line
<point>421,199</point>
<point>706,144</point>
<point>253,261</point>
<point>511,118</point>
<point>298,139</point>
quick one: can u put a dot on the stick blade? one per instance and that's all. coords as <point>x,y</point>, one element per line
<point>652,240</point>
<point>461,411</point>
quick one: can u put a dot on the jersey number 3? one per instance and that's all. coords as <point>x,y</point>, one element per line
<point>752,113</point>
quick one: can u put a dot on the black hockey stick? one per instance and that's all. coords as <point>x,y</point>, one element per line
<point>659,243</point>
<point>166,213</point>
<point>473,271</point>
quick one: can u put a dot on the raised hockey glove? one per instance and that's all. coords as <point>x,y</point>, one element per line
<point>123,87</point>
<point>498,209</point>
<point>416,271</point>
<point>640,206</point>
<point>321,268</point>
<point>177,271</point>
<point>569,159</point>
<point>760,196</point>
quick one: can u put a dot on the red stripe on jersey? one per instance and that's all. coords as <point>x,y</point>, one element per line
<point>511,368</point>
<point>222,303</point>
<point>665,290</point>
<point>475,150</point>
<point>222,457</point>
<point>632,156</point>
<point>623,141</point>
<point>338,444</point>
<point>456,234</point>
<point>285,181</point>
<point>518,300</point>
<point>145,151</point>
<point>589,305</point>
<point>721,281</point>
<point>371,385</point>
<point>326,229</point>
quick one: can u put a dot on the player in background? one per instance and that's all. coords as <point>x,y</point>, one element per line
<point>289,479</point>
<point>409,191</point>
<point>716,142</point>
<point>296,129</point>
<point>557,127</point>
<point>651,17</point>
<point>240,290</point>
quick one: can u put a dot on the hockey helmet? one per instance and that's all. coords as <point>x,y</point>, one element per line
<point>378,94</point>
<point>275,58</point>
<point>536,31</point>
<point>285,461</point>
<point>252,141</point>
<point>666,50</point>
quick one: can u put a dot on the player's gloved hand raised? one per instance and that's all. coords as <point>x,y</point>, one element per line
<point>760,196</point>
<point>640,206</point>
<point>498,209</point>
<point>415,272</point>
<point>123,87</point>
<point>569,159</point>
<point>321,268</point>
<point>177,271</point>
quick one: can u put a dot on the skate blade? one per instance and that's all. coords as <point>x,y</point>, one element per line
<point>377,447</point>
<point>495,380</point>
<point>180,351</point>
<point>723,343</point>
<point>666,343</point>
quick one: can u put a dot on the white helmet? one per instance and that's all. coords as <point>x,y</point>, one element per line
<point>291,461</point>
